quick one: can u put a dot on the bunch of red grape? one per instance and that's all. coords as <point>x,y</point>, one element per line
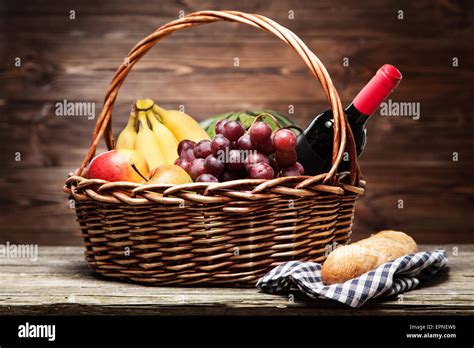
<point>235,154</point>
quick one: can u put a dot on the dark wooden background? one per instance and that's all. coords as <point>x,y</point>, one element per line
<point>75,60</point>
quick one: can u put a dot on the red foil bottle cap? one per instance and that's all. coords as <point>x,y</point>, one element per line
<point>379,87</point>
<point>390,75</point>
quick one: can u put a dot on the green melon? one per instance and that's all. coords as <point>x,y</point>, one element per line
<point>246,118</point>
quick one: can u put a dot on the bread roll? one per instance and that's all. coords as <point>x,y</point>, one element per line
<point>352,260</point>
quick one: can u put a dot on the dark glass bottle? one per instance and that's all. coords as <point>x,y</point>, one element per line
<point>314,146</point>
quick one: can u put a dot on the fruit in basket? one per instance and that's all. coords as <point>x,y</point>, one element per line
<point>183,126</point>
<point>254,158</point>
<point>285,158</point>
<point>260,132</point>
<point>211,125</point>
<point>169,174</point>
<point>236,153</point>
<point>284,140</point>
<point>213,165</point>
<point>206,178</point>
<point>245,143</point>
<point>117,165</point>
<point>266,147</point>
<point>187,154</point>
<point>185,145</point>
<point>219,143</point>
<point>144,104</point>
<point>295,169</point>
<point>128,136</point>
<point>261,171</point>
<point>165,137</point>
<point>235,160</point>
<point>183,163</point>
<point>159,132</point>
<point>197,168</point>
<point>233,130</point>
<point>147,143</point>
<point>202,149</point>
<point>219,128</point>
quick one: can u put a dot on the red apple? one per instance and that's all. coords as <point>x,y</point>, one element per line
<point>116,165</point>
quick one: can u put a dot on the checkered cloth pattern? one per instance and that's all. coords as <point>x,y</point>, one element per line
<point>391,278</point>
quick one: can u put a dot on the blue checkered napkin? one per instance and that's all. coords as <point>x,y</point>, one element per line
<point>391,278</point>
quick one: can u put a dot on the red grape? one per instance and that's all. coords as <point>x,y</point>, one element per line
<point>300,167</point>
<point>284,140</point>
<point>219,144</point>
<point>233,130</point>
<point>289,172</point>
<point>261,171</point>
<point>254,158</point>
<point>245,143</point>
<point>185,144</point>
<point>183,163</point>
<point>260,132</point>
<point>187,154</point>
<point>231,175</point>
<point>197,168</point>
<point>285,158</point>
<point>202,149</point>
<point>213,165</point>
<point>266,147</point>
<point>235,160</point>
<point>206,178</point>
<point>220,126</point>
<point>294,170</point>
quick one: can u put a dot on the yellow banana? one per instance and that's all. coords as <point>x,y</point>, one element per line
<point>144,104</point>
<point>147,144</point>
<point>167,140</point>
<point>126,139</point>
<point>181,125</point>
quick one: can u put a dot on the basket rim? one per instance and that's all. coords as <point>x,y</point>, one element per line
<point>83,189</point>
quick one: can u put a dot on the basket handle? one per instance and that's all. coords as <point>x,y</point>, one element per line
<point>341,129</point>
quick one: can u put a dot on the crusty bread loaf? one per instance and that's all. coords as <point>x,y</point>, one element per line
<point>352,260</point>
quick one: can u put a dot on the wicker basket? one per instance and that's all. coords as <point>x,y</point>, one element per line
<point>227,233</point>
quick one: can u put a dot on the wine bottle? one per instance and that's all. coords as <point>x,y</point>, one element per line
<point>315,144</point>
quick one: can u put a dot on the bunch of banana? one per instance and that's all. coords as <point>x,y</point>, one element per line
<point>128,136</point>
<point>158,144</point>
<point>183,126</point>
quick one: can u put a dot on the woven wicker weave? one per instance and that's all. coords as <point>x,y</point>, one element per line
<point>228,233</point>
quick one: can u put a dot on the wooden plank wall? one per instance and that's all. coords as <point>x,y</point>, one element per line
<point>74,59</point>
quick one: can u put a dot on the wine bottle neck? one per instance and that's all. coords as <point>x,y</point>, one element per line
<point>355,117</point>
<point>379,87</point>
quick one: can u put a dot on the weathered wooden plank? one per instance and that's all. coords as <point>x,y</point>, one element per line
<point>69,56</point>
<point>61,283</point>
<point>67,68</point>
<point>185,85</point>
<point>219,87</point>
<point>337,18</point>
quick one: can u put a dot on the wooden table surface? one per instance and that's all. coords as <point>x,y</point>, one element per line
<point>61,283</point>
